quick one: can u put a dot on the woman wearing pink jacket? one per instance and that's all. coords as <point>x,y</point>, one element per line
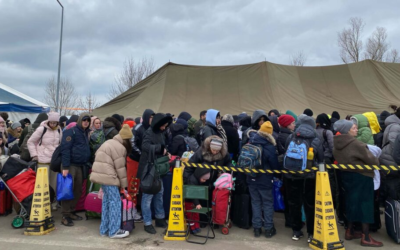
<point>42,144</point>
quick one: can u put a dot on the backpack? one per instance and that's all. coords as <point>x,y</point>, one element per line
<point>56,158</point>
<point>225,181</point>
<point>191,143</point>
<point>250,158</point>
<point>96,140</point>
<point>296,154</point>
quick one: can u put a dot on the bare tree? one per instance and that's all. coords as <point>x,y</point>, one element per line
<point>377,45</point>
<point>67,98</point>
<point>132,73</point>
<point>349,41</point>
<point>298,59</point>
<point>88,103</point>
<point>393,56</point>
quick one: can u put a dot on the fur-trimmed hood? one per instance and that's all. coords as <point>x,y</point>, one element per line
<point>13,132</point>
<point>206,152</point>
<point>268,137</point>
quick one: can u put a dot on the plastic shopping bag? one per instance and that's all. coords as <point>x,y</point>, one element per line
<point>279,204</point>
<point>65,187</point>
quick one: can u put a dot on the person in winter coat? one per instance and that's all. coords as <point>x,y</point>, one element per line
<point>308,112</point>
<point>75,153</point>
<point>14,133</point>
<point>325,133</point>
<point>4,116</point>
<point>73,118</point>
<point>39,119</point>
<point>201,122</point>
<point>138,133</point>
<point>334,118</point>
<point>274,112</point>
<point>154,138</point>
<point>260,187</point>
<point>3,130</point>
<point>213,118</point>
<point>190,120</point>
<point>245,124</point>
<point>258,118</point>
<point>109,171</point>
<point>97,137</point>
<point>275,125</point>
<point>3,148</point>
<point>213,151</point>
<point>232,136</point>
<point>62,122</point>
<point>43,143</point>
<point>111,127</point>
<point>391,181</point>
<point>364,130</point>
<point>358,184</point>
<point>300,188</point>
<point>378,138</point>
<point>179,132</point>
<point>287,125</point>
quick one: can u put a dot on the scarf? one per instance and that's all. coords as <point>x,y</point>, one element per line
<point>222,133</point>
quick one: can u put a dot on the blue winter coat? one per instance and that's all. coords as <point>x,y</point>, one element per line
<point>75,149</point>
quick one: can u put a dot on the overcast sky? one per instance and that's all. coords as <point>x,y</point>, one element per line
<point>100,34</point>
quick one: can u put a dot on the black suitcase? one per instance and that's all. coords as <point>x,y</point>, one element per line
<point>242,213</point>
<point>392,219</point>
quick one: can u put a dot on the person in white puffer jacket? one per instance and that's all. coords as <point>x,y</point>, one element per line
<point>43,142</point>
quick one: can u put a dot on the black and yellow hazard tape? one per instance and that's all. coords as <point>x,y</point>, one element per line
<point>313,169</point>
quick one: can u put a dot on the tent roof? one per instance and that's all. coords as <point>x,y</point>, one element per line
<point>349,89</point>
<point>13,100</point>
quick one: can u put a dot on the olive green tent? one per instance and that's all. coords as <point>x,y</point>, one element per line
<point>349,89</point>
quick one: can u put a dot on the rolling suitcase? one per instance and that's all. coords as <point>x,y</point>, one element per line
<point>93,204</point>
<point>220,203</point>
<point>242,212</point>
<point>392,219</point>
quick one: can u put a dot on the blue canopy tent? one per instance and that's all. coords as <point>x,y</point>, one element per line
<point>20,106</point>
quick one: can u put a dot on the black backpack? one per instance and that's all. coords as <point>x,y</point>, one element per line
<point>56,158</point>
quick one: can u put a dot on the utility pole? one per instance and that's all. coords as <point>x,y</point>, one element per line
<point>59,60</point>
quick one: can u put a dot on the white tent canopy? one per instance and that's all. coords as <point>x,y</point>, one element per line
<point>20,106</point>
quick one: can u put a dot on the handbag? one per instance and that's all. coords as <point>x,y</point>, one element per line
<point>162,165</point>
<point>150,181</point>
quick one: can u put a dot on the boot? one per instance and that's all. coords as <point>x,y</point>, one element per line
<point>150,229</point>
<point>371,242</point>
<point>350,236</point>
<point>257,232</point>
<point>161,223</point>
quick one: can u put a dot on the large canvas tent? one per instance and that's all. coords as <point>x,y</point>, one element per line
<point>20,106</point>
<point>349,89</point>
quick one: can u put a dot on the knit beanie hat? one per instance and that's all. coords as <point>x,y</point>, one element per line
<point>289,112</point>
<point>228,118</point>
<point>266,128</point>
<point>202,173</point>
<point>285,120</point>
<point>129,118</point>
<point>343,126</point>
<point>308,112</point>
<point>216,144</point>
<point>15,125</point>
<point>53,117</point>
<point>118,117</point>
<point>126,132</point>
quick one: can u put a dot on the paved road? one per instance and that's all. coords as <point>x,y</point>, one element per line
<point>85,235</point>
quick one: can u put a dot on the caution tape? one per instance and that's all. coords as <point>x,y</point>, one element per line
<point>313,169</point>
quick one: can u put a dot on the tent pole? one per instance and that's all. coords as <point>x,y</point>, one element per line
<point>59,60</point>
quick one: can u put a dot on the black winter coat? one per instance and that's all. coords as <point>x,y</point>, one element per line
<point>208,130</point>
<point>138,134</point>
<point>178,146</point>
<point>233,139</point>
<point>282,138</point>
<point>153,137</point>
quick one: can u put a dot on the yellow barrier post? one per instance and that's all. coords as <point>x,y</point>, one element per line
<point>325,227</point>
<point>40,221</point>
<point>177,227</point>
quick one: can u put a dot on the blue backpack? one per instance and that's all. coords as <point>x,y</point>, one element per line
<point>250,158</point>
<point>296,154</point>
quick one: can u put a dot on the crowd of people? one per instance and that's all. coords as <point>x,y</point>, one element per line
<point>116,151</point>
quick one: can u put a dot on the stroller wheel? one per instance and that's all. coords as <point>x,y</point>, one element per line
<point>225,230</point>
<point>18,222</point>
